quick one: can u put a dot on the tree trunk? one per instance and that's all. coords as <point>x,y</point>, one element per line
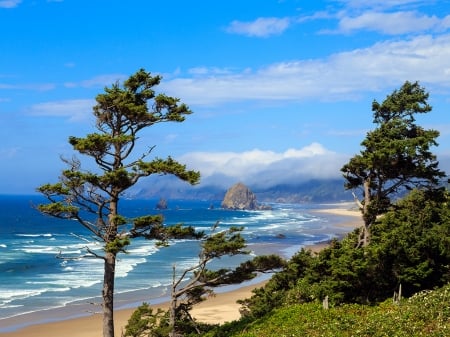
<point>108,295</point>
<point>173,306</point>
<point>364,235</point>
<point>172,313</point>
<point>366,213</point>
<point>109,272</point>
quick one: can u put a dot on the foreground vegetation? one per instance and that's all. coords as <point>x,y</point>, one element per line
<point>425,314</point>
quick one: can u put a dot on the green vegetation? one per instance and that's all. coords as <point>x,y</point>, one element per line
<point>425,314</point>
<point>396,155</point>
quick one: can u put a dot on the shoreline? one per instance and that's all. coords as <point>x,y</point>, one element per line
<point>220,308</point>
<point>353,221</point>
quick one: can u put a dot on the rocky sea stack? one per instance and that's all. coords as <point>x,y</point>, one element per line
<point>162,204</point>
<point>239,197</point>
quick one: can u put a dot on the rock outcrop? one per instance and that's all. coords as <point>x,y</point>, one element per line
<point>162,204</point>
<point>239,197</point>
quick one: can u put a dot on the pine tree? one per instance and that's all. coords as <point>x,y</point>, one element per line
<point>92,197</point>
<point>396,155</point>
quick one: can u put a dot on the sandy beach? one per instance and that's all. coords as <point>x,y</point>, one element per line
<point>347,210</point>
<point>218,309</point>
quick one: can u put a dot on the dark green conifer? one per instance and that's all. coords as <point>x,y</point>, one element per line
<point>92,197</point>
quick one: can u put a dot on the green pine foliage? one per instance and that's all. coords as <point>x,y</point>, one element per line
<point>395,156</point>
<point>412,243</point>
<point>92,197</point>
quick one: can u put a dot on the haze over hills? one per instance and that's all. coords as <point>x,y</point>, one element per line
<point>313,190</point>
<point>309,174</point>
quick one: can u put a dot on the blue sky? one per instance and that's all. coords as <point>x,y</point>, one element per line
<point>281,89</point>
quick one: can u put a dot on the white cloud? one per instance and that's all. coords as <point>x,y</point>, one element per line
<point>316,16</point>
<point>258,167</point>
<point>77,110</point>
<point>390,23</point>
<point>29,86</point>
<point>261,27</point>
<point>98,81</point>
<point>390,17</point>
<point>9,3</point>
<point>209,70</point>
<point>381,4</point>
<point>341,76</point>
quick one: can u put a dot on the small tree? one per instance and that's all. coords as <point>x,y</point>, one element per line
<point>185,293</point>
<point>92,198</point>
<point>396,155</point>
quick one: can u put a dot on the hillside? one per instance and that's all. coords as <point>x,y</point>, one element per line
<point>424,314</point>
<point>324,190</point>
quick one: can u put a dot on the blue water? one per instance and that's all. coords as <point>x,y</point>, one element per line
<point>33,279</point>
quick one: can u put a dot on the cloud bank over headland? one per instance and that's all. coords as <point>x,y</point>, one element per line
<point>265,169</point>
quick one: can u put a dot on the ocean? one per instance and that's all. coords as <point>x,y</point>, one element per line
<point>33,280</point>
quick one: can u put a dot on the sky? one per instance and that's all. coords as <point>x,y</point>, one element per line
<point>281,90</point>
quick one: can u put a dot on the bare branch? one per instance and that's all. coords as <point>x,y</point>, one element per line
<point>360,205</point>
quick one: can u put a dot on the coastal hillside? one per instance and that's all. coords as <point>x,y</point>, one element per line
<point>424,314</point>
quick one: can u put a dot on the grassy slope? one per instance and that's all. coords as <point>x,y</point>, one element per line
<point>425,314</point>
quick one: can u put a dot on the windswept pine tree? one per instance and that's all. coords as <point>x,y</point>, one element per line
<point>396,155</point>
<point>192,285</point>
<point>92,198</point>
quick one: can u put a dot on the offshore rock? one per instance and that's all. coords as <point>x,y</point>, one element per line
<point>162,204</point>
<point>239,197</point>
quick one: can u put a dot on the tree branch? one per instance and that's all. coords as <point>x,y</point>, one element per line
<point>360,205</point>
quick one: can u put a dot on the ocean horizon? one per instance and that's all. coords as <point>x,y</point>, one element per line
<point>36,286</point>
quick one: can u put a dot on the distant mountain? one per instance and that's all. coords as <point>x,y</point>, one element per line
<point>316,190</point>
